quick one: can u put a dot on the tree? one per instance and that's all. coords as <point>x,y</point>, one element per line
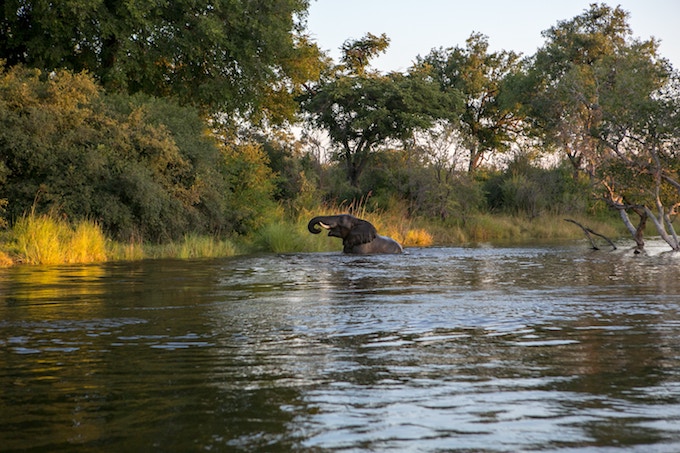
<point>356,54</point>
<point>564,99</point>
<point>640,134</point>
<point>487,124</point>
<point>224,56</point>
<point>363,110</point>
<point>610,104</point>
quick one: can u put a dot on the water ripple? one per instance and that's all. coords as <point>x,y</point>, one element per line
<point>504,349</point>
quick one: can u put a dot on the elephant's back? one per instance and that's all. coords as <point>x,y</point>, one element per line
<point>381,244</point>
<point>391,246</point>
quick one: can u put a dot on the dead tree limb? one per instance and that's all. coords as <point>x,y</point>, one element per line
<point>588,233</point>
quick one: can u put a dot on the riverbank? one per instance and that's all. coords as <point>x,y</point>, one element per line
<point>48,240</point>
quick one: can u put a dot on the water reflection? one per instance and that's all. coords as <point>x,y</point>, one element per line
<point>456,349</point>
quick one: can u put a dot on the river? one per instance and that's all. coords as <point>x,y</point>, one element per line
<point>471,349</point>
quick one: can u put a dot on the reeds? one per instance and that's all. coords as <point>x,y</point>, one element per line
<point>5,260</point>
<point>132,250</point>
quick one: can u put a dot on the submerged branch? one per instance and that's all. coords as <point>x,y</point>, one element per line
<point>588,233</point>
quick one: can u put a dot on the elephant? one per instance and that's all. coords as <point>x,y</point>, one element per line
<point>358,236</point>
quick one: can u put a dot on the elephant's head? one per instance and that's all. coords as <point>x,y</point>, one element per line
<point>352,230</point>
<point>358,236</point>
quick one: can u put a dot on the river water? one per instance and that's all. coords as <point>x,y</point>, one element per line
<point>480,349</point>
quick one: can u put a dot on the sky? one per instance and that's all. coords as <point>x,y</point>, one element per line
<point>417,26</point>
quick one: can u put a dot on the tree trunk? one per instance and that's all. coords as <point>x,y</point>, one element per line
<point>356,160</point>
<point>475,159</point>
<point>671,239</point>
<point>636,232</point>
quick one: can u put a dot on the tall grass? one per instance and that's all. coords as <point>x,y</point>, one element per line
<point>481,227</point>
<point>86,244</point>
<point>508,228</point>
<point>192,246</point>
<point>293,237</point>
<point>44,239</point>
<point>132,250</point>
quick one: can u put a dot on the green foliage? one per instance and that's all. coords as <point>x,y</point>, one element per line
<point>251,186</point>
<point>361,113</point>
<point>225,56</point>
<point>523,195</point>
<point>525,189</point>
<point>294,171</point>
<point>490,119</point>
<point>401,175</point>
<point>141,167</point>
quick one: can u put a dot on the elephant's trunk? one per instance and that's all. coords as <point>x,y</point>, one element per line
<point>312,226</point>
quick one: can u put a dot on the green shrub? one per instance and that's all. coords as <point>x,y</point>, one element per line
<point>141,167</point>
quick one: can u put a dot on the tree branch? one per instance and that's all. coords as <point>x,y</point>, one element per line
<point>589,231</point>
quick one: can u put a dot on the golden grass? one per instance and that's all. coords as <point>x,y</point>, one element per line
<point>43,239</point>
<point>418,238</point>
<point>86,244</point>
<point>39,238</point>
<point>5,260</point>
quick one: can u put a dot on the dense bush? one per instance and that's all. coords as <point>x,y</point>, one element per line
<point>527,189</point>
<point>141,167</point>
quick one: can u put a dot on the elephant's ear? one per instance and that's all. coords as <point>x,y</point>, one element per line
<point>361,233</point>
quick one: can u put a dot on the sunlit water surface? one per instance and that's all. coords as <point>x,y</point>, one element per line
<point>484,349</point>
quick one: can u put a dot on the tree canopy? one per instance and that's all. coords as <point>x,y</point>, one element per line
<point>361,110</point>
<point>487,123</point>
<point>610,103</point>
<point>222,56</point>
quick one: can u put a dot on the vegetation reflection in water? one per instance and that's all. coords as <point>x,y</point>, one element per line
<point>461,349</point>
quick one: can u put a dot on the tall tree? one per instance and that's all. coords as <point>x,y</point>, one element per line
<point>362,110</point>
<point>487,124</point>
<point>224,55</point>
<point>564,101</point>
<point>607,101</point>
<point>638,161</point>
